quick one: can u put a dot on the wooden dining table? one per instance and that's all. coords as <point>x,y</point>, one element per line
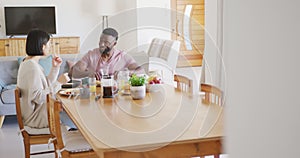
<point>166,123</point>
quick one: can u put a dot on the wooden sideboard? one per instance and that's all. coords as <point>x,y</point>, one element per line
<point>59,45</point>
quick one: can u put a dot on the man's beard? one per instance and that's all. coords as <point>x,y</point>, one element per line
<point>106,51</point>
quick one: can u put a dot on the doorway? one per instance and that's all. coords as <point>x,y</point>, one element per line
<point>188,27</point>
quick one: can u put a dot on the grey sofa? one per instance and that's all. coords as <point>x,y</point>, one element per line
<point>8,78</point>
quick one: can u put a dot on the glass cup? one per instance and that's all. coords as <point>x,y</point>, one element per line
<point>92,84</point>
<point>123,83</point>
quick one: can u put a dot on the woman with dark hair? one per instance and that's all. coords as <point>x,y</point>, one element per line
<point>33,83</point>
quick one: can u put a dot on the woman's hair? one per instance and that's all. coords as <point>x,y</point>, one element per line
<point>35,41</point>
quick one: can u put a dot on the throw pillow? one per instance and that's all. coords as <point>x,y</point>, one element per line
<point>20,59</point>
<point>46,63</point>
<point>2,84</point>
<point>70,63</point>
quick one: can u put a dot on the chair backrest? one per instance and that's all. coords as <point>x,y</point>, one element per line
<point>212,94</point>
<point>18,110</point>
<point>53,110</point>
<point>163,55</point>
<point>167,50</point>
<point>183,83</point>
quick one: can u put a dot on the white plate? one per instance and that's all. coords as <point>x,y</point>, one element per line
<point>68,92</point>
<point>125,92</point>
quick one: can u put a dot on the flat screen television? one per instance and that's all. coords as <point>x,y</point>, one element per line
<point>20,20</point>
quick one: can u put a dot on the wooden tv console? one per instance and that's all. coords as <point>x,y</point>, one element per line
<point>59,45</point>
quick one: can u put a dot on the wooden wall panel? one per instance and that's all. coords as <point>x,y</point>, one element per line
<point>2,47</point>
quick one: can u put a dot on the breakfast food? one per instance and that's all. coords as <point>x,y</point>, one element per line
<point>154,80</point>
<point>153,83</point>
<point>73,91</point>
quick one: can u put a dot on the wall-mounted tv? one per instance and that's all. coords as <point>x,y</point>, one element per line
<point>20,20</point>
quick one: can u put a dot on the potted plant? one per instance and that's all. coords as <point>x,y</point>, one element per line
<point>137,86</point>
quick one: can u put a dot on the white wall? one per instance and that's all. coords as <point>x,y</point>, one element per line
<point>262,59</point>
<point>123,20</point>
<point>153,21</point>
<point>82,20</point>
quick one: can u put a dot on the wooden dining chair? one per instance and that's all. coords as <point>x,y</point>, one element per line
<point>30,139</point>
<point>68,144</point>
<point>183,83</point>
<point>212,94</point>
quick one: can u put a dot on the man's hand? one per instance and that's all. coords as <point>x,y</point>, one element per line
<point>98,75</point>
<point>116,75</point>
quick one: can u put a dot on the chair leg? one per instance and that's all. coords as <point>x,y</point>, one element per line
<point>1,120</point>
<point>56,156</point>
<point>26,148</point>
<point>217,156</point>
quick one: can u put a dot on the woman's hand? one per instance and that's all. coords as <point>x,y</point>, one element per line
<point>56,61</point>
<point>63,78</point>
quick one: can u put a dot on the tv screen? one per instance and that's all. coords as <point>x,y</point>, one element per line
<point>20,20</point>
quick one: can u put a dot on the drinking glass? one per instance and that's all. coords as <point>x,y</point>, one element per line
<point>123,77</point>
<point>92,84</point>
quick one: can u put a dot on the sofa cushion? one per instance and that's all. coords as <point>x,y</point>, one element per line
<point>8,94</point>
<point>8,70</point>
<point>68,60</point>
<point>45,62</point>
<point>2,84</point>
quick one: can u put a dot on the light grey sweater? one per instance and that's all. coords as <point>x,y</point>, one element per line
<point>34,87</point>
